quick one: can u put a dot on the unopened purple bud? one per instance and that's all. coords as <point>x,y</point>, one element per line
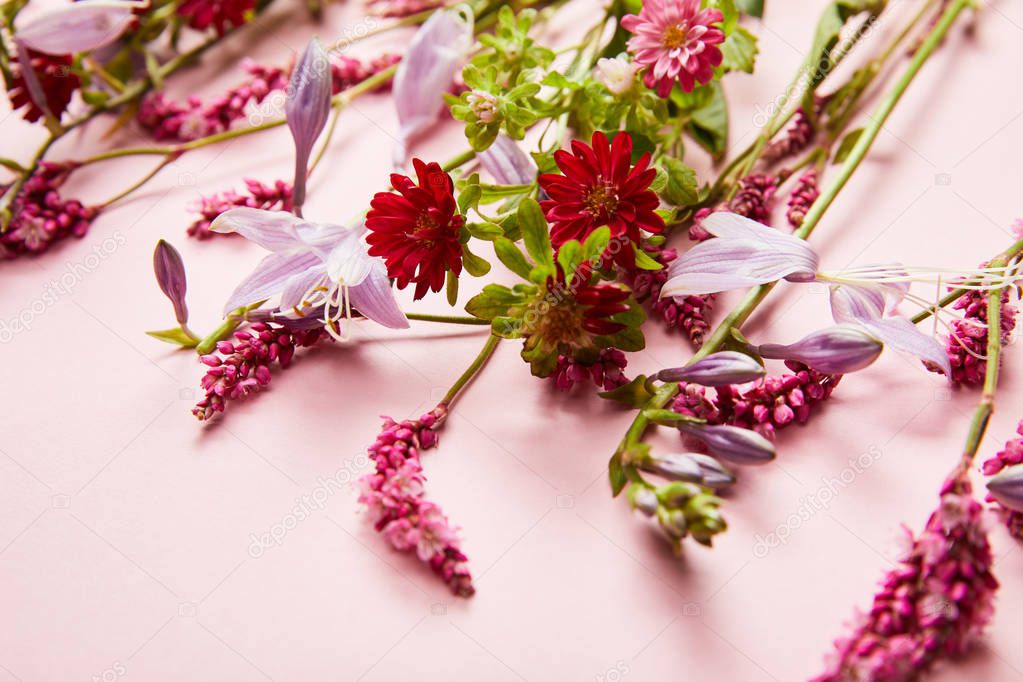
<point>507,164</point>
<point>170,275</point>
<point>731,443</point>
<point>718,369</point>
<point>78,27</point>
<point>836,350</point>
<point>674,466</point>
<point>1007,487</point>
<point>307,108</point>
<point>714,474</point>
<point>642,499</point>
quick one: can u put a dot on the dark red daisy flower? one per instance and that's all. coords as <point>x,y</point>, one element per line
<point>55,77</point>
<point>600,186</point>
<point>416,231</point>
<point>220,14</point>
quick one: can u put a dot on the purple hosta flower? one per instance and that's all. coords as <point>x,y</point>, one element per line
<point>932,606</point>
<point>606,373</point>
<point>78,27</point>
<point>967,341</point>
<point>867,308</point>
<point>312,264</point>
<point>688,313</point>
<point>507,164</point>
<point>1011,455</point>
<point>765,406</point>
<point>718,369</point>
<point>41,217</point>
<point>275,197</point>
<point>744,254</point>
<point>170,275</point>
<point>307,108</point>
<point>731,443</point>
<point>840,349</point>
<point>692,467</point>
<point>395,498</point>
<point>427,71</point>
<point>242,366</point>
<point>802,198</point>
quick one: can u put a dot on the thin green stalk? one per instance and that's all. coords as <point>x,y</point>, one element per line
<point>447,319</point>
<point>755,296</point>
<point>986,407</point>
<point>471,370</point>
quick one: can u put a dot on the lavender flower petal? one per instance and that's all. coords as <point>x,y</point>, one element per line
<point>718,369</point>
<point>507,164</point>
<point>272,276</point>
<point>744,254</point>
<point>170,275</point>
<point>307,108</point>
<point>273,230</point>
<point>426,72</point>
<point>840,349</point>
<point>374,298</point>
<point>79,27</point>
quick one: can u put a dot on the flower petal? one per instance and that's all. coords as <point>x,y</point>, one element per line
<point>426,72</point>
<point>374,298</point>
<point>271,277</point>
<point>348,262</point>
<point>903,336</point>
<point>745,253</point>
<point>78,27</point>
<point>307,108</point>
<point>855,304</point>
<point>506,163</point>
<point>273,230</point>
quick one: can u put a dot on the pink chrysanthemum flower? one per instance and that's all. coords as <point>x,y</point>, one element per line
<point>675,40</point>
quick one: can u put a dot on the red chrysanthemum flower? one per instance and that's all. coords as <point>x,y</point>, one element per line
<point>675,40</point>
<point>55,77</point>
<point>416,231</point>
<point>220,14</point>
<point>601,187</point>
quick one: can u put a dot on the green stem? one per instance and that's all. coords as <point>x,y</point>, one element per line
<point>459,160</point>
<point>471,370</point>
<point>143,180</point>
<point>755,296</point>
<point>226,328</point>
<point>447,319</point>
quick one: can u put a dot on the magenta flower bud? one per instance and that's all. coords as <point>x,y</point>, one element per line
<point>731,443</point>
<point>1007,487</point>
<point>836,350</point>
<point>170,275</point>
<point>718,369</point>
<point>78,27</point>
<point>507,164</point>
<point>307,108</point>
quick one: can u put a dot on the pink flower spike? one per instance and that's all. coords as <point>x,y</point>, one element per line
<point>79,27</point>
<point>426,72</point>
<point>675,40</point>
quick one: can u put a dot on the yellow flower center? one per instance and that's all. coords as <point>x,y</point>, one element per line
<point>602,200</point>
<point>676,36</point>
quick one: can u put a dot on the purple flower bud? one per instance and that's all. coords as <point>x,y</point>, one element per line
<point>642,499</point>
<point>507,164</point>
<point>719,369</point>
<point>731,443</point>
<point>1007,487</point>
<point>307,108</point>
<point>170,275</point>
<point>714,474</point>
<point>673,466</point>
<point>836,350</point>
<point>79,27</point>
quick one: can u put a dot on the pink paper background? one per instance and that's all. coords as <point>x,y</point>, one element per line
<point>126,526</point>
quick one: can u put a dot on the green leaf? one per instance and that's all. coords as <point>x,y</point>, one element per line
<point>452,288</point>
<point>670,417</point>
<point>616,474</point>
<point>512,258</point>
<point>632,394</point>
<point>494,301</point>
<point>709,124</point>
<point>596,243</point>
<point>682,187</point>
<point>644,261</point>
<point>470,196</point>
<point>474,265</point>
<point>570,255</point>
<point>753,8</point>
<point>740,51</point>
<point>175,336</point>
<point>847,144</point>
<point>534,232</point>
<point>730,12</point>
<point>486,231</point>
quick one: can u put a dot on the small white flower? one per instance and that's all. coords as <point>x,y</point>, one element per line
<point>618,75</point>
<point>484,106</point>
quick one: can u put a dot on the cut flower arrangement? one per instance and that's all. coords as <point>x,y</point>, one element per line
<point>574,183</point>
